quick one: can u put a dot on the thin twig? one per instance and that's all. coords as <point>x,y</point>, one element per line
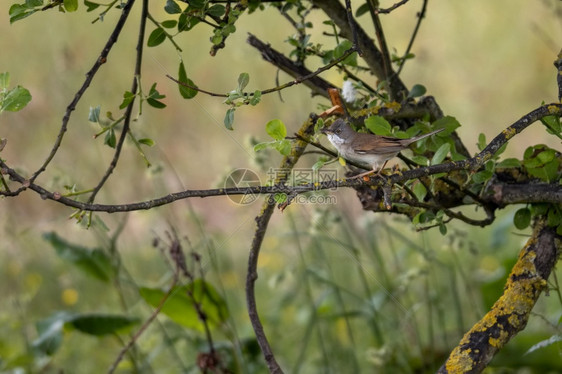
<point>553,194</point>
<point>297,80</point>
<point>89,77</point>
<point>129,109</point>
<point>143,327</point>
<point>353,27</point>
<point>379,32</point>
<point>262,220</point>
<point>421,16</point>
<point>390,9</point>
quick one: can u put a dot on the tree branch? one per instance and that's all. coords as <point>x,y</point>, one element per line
<point>129,110</point>
<point>368,198</point>
<point>262,221</point>
<point>372,56</point>
<point>510,313</point>
<point>89,77</point>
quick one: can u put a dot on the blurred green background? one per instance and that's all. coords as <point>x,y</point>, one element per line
<point>339,288</point>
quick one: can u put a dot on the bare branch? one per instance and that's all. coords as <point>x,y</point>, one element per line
<point>390,9</point>
<point>89,77</point>
<point>473,163</point>
<point>370,53</point>
<point>558,64</point>
<point>129,110</point>
<point>262,221</point>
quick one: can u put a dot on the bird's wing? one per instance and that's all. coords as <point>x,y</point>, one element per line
<point>382,145</point>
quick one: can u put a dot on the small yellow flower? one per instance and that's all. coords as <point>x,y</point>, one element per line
<point>69,296</point>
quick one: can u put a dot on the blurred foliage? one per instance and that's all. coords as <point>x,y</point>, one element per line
<point>339,291</point>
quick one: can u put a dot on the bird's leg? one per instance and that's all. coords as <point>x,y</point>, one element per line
<point>363,174</point>
<point>375,171</point>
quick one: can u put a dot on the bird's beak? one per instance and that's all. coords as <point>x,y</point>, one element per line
<point>325,130</point>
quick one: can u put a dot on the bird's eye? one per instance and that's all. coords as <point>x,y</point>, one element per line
<point>338,131</point>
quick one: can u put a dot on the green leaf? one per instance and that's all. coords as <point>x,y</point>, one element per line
<point>229,118</point>
<point>90,5</point>
<point>169,24</point>
<point>153,96</point>
<point>442,228</point>
<point>4,81</point>
<point>70,5</point>
<point>546,156</point>
<point>553,125</point>
<point>243,80</point>
<point>554,217</point>
<point>417,91</point>
<point>18,12</point>
<point>440,154</point>
<point>378,125</point>
<point>420,160</point>
<point>197,4</point>
<point>185,92</point>
<point>522,218</point>
<point>283,146</point>
<point>509,163</point>
<point>172,7</point>
<point>94,114</point>
<point>50,333</point>
<point>33,3</point>
<point>362,10</point>
<point>280,198</point>
<point>93,262</point>
<point>539,209</point>
<point>448,123</point>
<point>16,99</point>
<point>101,324</point>
<point>481,141</point>
<point>482,176</point>
<point>261,146</point>
<point>187,22</point>
<point>157,36</point>
<point>318,164</point>
<point>545,343</point>
<point>110,138</point>
<point>179,307</point>
<point>276,129</point>
<point>128,97</point>
<point>146,141</point>
<point>420,191</point>
<point>340,50</point>
<point>155,103</point>
<point>256,98</point>
<point>216,10</point>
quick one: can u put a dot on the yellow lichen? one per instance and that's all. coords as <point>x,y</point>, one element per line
<point>459,361</point>
<point>553,109</point>
<point>509,133</point>
<point>522,289</point>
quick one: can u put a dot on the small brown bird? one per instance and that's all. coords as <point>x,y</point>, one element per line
<point>374,150</point>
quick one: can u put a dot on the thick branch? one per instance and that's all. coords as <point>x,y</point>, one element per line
<point>470,164</point>
<point>318,85</point>
<point>372,56</point>
<point>510,313</point>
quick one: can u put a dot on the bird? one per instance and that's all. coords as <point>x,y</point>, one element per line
<point>374,150</point>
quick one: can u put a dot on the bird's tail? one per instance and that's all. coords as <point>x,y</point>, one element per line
<point>416,138</point>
